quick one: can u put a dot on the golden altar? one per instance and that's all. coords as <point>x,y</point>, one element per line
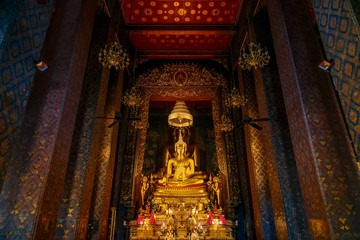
<point>177,203</point>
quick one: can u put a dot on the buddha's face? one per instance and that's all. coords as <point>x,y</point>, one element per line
<point>180,149</point>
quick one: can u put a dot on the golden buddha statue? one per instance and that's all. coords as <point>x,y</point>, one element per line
<point>178,179</point>
<point>180,170</point>
<point>144,188</point>
<point>216,188</point>
<point>184,167</point>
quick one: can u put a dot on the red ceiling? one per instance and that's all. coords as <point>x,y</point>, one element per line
<point>181,12</point>
<point>180,40</point>
<point>160,28</point>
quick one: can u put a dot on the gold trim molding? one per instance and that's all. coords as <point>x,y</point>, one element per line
<point>181,74</point>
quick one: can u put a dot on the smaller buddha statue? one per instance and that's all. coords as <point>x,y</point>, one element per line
<point>216,188</point>
<point>200,206</point>
<point>147,211</point>
<point>171,224</point>
<point>163,206</point>
<point>192,222</point>
<point>216,211</point>
<point>144,188</point>
<point>152,184</point>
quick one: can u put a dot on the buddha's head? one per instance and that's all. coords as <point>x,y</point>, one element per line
<point>180,146</point>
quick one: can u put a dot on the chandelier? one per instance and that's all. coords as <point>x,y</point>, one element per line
<point>114,56</point>
<point>132,98</point>
<point>257,57</point>
<point>226,124</point>
<point>234,99</point>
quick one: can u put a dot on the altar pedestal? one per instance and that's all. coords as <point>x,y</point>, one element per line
<point>209,232</point>
<point>223,232</point>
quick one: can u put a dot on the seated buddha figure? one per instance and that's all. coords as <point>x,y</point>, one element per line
<point>181,169</point>
<point>184,166</point>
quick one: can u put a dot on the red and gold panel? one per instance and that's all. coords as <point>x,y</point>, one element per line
<point>180,55</point>
<point>180,40</point>
<point>181,12</point>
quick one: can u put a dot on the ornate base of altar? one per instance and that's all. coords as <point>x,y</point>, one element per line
<point>181,192</point>
<point>185,196</point>
<point>180,212</point>
<point>209,232</point>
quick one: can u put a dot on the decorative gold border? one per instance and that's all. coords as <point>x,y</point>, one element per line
<point>191,75</point>
<point>182,93</point>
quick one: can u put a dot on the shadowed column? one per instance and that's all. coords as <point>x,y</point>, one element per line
<point>92,104</point>
<point>106,162</point>
<point>325,162</point>
<point>245,209</point>
<point>270,166</point>
<point>257,163</point>
<point>30,197</point>
<point>283,160</point>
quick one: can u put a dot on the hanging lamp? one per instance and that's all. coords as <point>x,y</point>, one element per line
<point>132,97</point>
<point>256,57</point>
<point>114,56</point>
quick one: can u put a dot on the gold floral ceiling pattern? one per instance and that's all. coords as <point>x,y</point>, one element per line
<point>181,12</point>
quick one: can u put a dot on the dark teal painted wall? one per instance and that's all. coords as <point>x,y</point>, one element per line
<point>23,28</point>
<point>339,33</point>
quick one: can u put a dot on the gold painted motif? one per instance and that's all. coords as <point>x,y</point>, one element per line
<point>318,227</point>
<point>181,74</point>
